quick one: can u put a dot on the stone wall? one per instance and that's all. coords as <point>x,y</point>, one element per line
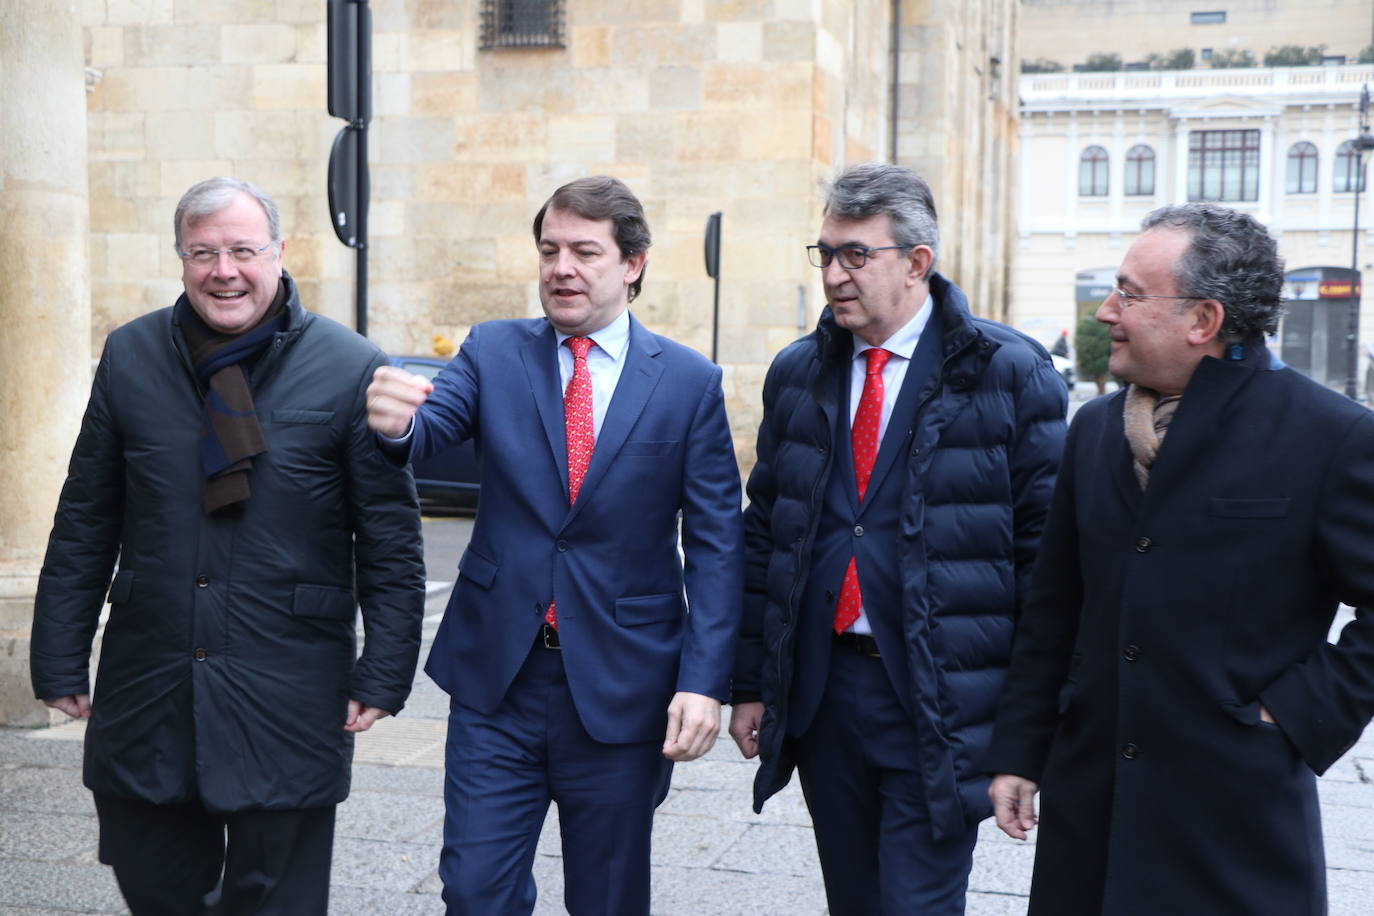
<point>741,106</point>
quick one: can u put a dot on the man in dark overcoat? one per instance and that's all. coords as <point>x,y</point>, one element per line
<point>225,462</point>
<point>1172,690</point>
<point>905,464</point>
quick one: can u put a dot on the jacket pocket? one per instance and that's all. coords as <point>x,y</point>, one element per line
<point>644,609</point>
<point>122,587</point>
<point>1265,507</point>
<point>315,417</point>
<point>477,569</point>
<point>323,601</point>
<point>648,449</point>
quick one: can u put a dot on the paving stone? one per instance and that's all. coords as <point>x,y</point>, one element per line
<point>24,747</point>
<point>401,780</point>
<point>693,842</point>
<point>85,888</point>
<point>391,816</point>
<point>52,837</point>
<point>774,849</point>
<point>52,790</point>
<point>679,891</point>
<point>362,901</point>
<point>396,867</point>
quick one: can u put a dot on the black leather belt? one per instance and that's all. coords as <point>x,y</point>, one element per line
<point>548,637</point>
<point>862,643</point>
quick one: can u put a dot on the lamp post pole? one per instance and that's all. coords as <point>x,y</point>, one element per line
<point>1362,142</point>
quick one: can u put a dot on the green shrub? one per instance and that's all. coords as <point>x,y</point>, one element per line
<point>1092,342</point>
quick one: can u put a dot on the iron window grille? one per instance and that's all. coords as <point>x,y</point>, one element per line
<point>522,24</point>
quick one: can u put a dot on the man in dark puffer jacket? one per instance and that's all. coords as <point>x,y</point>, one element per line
<point>905,464</point>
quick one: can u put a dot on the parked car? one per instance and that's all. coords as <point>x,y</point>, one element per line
<point>449,480</point>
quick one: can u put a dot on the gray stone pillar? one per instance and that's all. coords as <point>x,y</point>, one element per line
<point>45,323</point>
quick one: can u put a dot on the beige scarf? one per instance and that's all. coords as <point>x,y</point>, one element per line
<point>1147,417</point>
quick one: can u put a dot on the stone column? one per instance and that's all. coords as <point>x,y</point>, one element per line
<point>45,337</point>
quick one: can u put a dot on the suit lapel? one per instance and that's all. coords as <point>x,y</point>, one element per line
<point>638,379</point>
<point>541,368</point>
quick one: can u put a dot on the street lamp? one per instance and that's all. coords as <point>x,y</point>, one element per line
<point>1361,143</point>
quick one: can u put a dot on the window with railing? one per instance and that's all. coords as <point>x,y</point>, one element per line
<point>1092,172</point>
<point>1302,169</point>
<point>521,23</point>
<point>1223,165</point>
<point>1140,171</point>
<point>1345,172</point>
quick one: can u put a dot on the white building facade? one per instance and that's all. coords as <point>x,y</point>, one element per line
<point>1100,150</point>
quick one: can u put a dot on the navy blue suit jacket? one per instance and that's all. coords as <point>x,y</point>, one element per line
<point>636,626</point>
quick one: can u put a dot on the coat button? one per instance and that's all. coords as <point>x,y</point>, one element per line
<point>1142,545</point>
<point>202,581</point>
<point>858,531</point>
<point>200,655</point>
<point>1131,653</point>
<point>1130,751</point>
<point>562,546</point>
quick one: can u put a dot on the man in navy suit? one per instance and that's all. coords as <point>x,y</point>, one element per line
<point>583,657</point>
<point>905,463</point>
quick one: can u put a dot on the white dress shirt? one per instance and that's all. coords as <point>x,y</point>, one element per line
<point>902,346</point>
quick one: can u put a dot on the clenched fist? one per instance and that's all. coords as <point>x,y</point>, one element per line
<point>393,398</point>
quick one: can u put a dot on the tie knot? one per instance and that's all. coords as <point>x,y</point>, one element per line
<point>579,346</point>
<point>877,358</point>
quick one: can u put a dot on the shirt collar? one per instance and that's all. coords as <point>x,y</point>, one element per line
<point>611,339</point>
<point>903,342</point>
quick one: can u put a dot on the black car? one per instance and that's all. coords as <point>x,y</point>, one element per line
<point>448,480</point>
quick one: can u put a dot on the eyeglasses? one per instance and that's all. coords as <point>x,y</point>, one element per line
<point>852,257</point>
<point>1129,299</point>
<point>204,257</point>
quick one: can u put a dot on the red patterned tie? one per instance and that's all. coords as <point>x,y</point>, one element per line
<point>577,420</point>
<point>863,438</point>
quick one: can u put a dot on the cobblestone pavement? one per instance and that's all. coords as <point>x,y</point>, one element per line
<point>711,854</point>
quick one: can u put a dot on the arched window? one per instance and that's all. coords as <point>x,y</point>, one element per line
<point>1345,169</point>
<point>1140,171</point>
<point>1302,168</point>
<point>1092,172</point>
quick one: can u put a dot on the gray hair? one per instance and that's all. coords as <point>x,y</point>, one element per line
<point>1231,258</point>
<point>208,197</point>
<point>876,188</point>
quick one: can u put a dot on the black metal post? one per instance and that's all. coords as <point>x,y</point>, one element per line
<point>1362,142</point>
<point>364,176</point>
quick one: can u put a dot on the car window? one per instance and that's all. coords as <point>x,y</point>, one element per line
<point>428,370</point>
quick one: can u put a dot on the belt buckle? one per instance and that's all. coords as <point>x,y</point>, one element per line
<point>549,637</point>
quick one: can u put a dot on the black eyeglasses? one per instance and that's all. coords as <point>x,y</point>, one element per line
<point>852,257</point>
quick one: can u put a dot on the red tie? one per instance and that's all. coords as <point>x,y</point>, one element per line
<point>863,438</point>
<point>581,433</point>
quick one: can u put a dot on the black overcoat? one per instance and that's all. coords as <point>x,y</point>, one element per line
<point>229,654</point>
<point>1160,621</point>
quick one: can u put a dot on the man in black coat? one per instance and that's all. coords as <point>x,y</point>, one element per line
<point>905,464</point>
<point>225,461</point>
<point>1172,690</point>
